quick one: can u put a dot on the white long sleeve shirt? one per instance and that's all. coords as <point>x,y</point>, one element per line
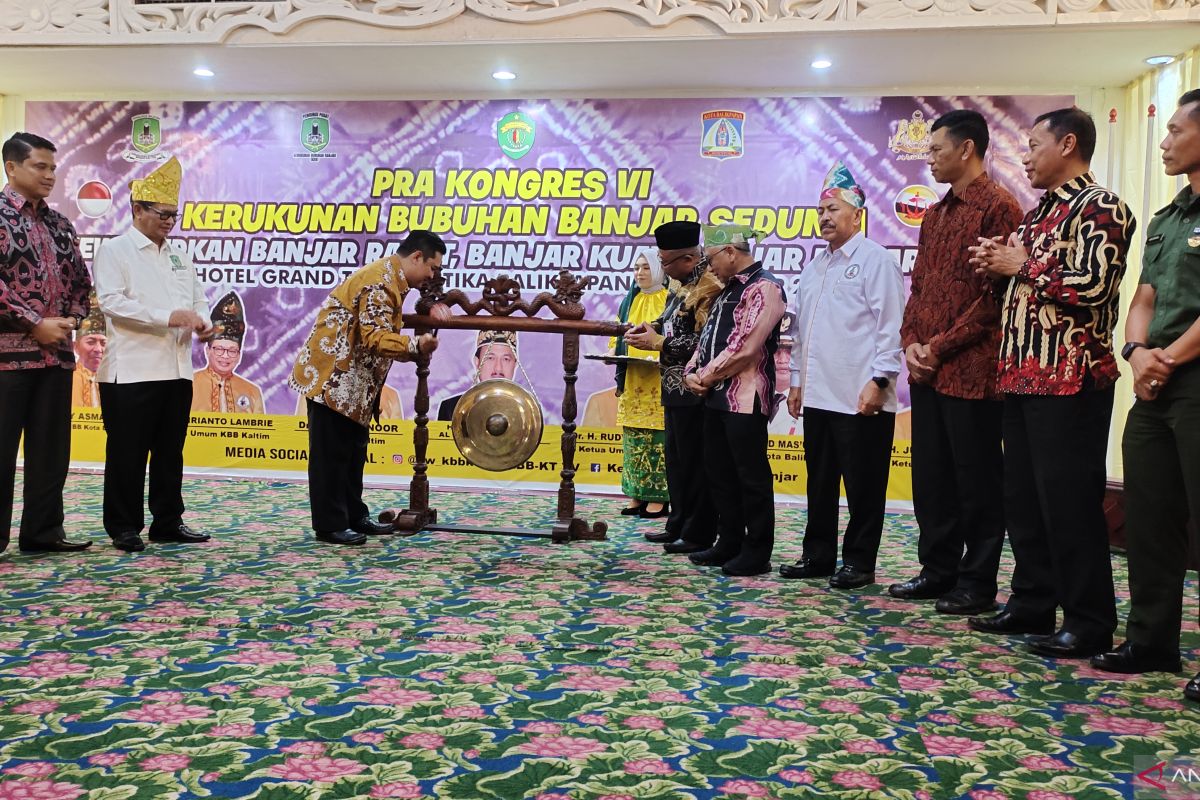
<point>848,306</point>
<point>138,285</point>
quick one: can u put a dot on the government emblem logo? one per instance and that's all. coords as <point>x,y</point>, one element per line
<point>147,133</point>
<point>314,136</point>
<point>145,136</point>
<point>722,134</point>
<point>912,202</point>
<point>515,133</point>
<point>314,132</point>
<point>911,138</point>
<point>1194,239</point>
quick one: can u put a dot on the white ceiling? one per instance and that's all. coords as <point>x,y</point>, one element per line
<point>962,60</point>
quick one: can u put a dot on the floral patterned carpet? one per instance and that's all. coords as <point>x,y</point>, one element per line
<point>266,665</point>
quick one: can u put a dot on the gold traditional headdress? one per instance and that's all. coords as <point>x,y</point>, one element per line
<point>160,186</point>
<point>93,323</point>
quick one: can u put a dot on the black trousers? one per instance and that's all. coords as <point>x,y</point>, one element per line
<point>958,495</point>
<point>147,420</point>
<point>1054,475</point>
<point>337,455</point>
<point>692,518</point>
<point>856,449</point>
<point>741,483</point>
<point>1161,448</point>
<point>35,403</point>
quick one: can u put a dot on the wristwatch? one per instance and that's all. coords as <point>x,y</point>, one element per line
<point>882,382</point>
<point>1129,347</point>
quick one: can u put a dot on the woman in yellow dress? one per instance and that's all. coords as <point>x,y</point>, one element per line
<point>639,392</point>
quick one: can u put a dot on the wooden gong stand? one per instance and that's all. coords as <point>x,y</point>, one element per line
<point>500,300</point>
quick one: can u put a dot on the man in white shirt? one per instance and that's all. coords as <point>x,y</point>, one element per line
<point>845,361</point>
<point>154,305</point>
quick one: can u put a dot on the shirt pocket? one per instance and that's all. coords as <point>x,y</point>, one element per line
<point>848,288</point>
<point>1185,281</point>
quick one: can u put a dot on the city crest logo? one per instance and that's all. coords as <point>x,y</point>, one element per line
<point>722,134</point>
<point>314,136</point>
<point>911,138</point>
<point>515,133</point>
<point>145,136</point>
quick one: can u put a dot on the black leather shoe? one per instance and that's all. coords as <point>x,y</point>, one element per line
<point>1065,644</point>
<point>683,546</point>
<point>849,577</point>
<point>1133,659</point>
<point>58,546</point>
<point>347,536</point>
<point>368,527</point>
<point>1192,690</point>
<point>663,512</point>
<point>661,537</point>
<point>712,557</point>
<point>178,533</point>
<point>129,542</point>
<point>633,511</point>
<point>920,588</point>
<point>739,569</point>
<point>1009,623</point>
<point>805,568</point>
<point>960,601</point>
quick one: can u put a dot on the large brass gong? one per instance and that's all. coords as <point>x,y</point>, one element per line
<point>497,424</point>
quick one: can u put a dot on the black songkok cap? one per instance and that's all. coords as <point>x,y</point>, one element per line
<point>677,235</point>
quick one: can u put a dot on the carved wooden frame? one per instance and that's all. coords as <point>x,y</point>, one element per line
<point>494,310</point>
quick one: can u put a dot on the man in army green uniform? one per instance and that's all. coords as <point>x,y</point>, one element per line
<point>1161,445</point>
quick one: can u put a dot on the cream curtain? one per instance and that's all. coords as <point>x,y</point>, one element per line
<point>1139,179</point>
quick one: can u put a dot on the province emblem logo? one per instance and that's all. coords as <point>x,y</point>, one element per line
<point>722,134</point>
<point>911,138</point>
<point>314,136</point>
<point>514,133</point>
<point>912,202</point>
<point>145,136</point>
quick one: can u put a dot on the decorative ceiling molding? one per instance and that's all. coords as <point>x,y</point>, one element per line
<point>125,22</point>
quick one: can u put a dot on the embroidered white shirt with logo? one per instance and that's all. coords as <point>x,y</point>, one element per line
<point>848,308</point>
<point>138,285</point>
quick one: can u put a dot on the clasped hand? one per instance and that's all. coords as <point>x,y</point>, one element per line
<point>1152,368</point>
<point>997,260</point>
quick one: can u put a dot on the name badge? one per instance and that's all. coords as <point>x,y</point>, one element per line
<point>668,328</point>
<point>177,263</point>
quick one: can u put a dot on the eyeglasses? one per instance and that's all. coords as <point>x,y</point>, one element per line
<point>671,261</point>
<point>163,215</point>
<point>225,351</point>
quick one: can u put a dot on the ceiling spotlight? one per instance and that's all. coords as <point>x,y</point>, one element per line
<point>821,63</point>
<point>203,72</point>
<point>504,75</point>
<point>1158,61</point>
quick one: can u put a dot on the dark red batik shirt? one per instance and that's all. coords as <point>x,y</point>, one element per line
<point>42,274</point>
<point>1061,308</point>
<point>950,308</point>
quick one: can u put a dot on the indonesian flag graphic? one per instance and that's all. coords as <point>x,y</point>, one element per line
<point>94,199</point>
